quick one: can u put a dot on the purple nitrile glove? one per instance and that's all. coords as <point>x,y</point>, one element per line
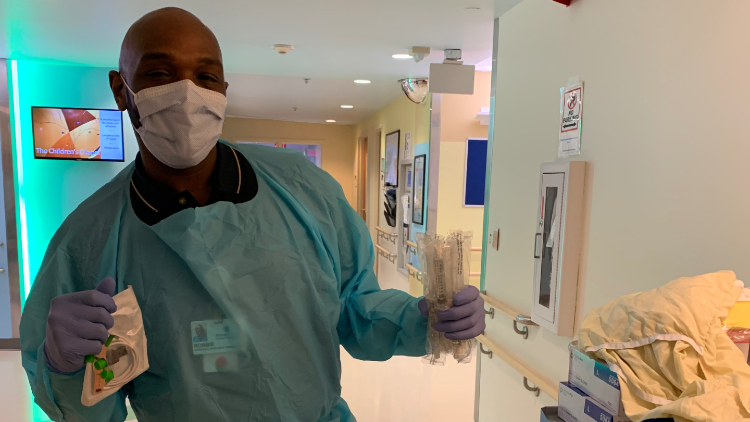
<point>77,326</point>
<point>464,320</point>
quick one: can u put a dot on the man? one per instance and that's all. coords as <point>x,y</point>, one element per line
<point>255,242</point>
<point>200,334</point>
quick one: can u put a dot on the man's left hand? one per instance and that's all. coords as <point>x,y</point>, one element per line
<point>464,320</point>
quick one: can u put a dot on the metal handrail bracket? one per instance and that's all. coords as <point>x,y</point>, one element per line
<point>529,374</point>
<point>382,234</point>
<point>414,272</point>
<point>385,253</point>
<point>511,313</point>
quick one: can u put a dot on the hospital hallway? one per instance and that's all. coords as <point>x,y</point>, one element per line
<point>249,210</point>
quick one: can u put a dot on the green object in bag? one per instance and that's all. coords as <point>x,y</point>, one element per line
<point>100,364</point>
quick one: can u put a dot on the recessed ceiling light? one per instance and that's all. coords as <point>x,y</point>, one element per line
<point>361,81</point>
<point>401,56</point>
<point>347,106</point>
<point>330,121</point>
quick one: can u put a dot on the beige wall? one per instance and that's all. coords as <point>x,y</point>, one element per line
<point>404,115</point>
<point>459,111</point>
<point>337,141</point>
<point>458,123</point>
<point>665,129</point>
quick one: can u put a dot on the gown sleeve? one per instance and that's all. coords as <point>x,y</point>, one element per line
<point>374,324</point>
<point>59,395</point>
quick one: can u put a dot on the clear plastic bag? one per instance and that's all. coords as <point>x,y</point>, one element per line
<point>737,325</point>
<point>129,345</point>
<point>445,263</point>
<point>740,337</point>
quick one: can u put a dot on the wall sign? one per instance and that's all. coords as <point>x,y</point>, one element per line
<point>419,181</point>
<point>571,112</point>
<point>407,146</point>
<point>392,158</point>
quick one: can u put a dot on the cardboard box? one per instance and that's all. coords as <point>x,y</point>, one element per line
<point>576,406</point>
<point>549,414</point>
<point>596,380</point>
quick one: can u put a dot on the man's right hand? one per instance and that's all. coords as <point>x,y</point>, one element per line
<point>77,326</point>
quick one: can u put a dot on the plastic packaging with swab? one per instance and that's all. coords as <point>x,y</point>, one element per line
<point>126,353</point>
<point>445,263</point>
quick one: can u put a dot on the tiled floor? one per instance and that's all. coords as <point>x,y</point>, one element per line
<point>399,390</point>
<point>407,389</point>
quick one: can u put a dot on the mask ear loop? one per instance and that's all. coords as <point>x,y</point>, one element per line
<point>131,123</point>
<point>126,84</point>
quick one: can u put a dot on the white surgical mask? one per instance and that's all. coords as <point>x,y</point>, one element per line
<point>180,122</point>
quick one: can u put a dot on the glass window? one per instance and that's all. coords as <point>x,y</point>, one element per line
<point>548,244</point>
<point>266,144</point>
<point>312,152</point>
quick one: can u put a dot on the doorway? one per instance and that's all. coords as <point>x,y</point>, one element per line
<point>362,178</point>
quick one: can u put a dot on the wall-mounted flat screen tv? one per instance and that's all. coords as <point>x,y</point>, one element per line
<point>78,134</point>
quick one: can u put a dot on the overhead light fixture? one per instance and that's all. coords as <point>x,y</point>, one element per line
<point>347,106</point>
<point>330,121</point>
<point>416,89</point>
<point>283,48</point>
<point>361,81</point>
<point>401,56</point>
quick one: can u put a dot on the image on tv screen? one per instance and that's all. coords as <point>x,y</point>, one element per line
<point>78,134</point>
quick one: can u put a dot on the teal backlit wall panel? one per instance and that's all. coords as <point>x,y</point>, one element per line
<point>47,191</point>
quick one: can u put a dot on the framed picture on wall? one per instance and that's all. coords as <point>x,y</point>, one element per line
<point>391,158</point>
<point>417,216</point>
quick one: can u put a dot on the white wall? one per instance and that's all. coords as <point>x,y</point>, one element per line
<point>666,106</point>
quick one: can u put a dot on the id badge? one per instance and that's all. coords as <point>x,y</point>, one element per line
<point>211,337</point>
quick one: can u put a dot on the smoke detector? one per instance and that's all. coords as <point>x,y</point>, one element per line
<point>419,53</point>
<point>283,48</point>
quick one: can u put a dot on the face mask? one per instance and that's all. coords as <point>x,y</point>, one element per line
<point>180,122</point>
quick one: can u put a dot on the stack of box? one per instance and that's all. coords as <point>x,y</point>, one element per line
<point>592,393</point>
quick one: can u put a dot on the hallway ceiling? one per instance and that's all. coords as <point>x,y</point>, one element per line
<point>336,41</point>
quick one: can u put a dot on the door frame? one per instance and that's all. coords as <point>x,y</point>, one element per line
<point>487,203</point>
<point>361,174</point>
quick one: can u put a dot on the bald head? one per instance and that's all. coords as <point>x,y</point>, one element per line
<point>168,27</point>
<point>166,46</point>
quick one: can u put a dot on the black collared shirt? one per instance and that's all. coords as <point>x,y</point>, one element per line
<point>153,202</point>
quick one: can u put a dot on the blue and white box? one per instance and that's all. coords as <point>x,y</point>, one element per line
<point>576,406</point>
<point>596,380</point>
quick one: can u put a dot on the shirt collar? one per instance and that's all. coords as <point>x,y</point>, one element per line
<point>226,182</point>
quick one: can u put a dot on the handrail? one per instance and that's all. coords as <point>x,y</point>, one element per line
<point>382,230</point>
<point>504,308</point>
<point>391,237</point>
<point>385,253</point>
<point>549,388</point>
<point>411,245</point>
<point>507,310</point>
<point>414,272</point>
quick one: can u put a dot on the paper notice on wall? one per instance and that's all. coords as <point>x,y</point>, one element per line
<point>571,112</point>
<point>407,146</point>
